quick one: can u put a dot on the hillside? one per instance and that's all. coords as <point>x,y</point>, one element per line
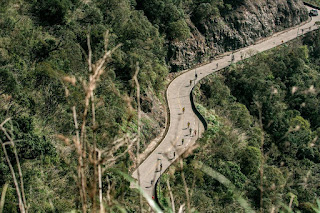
<point>44,78</point>
<point>217,27</point>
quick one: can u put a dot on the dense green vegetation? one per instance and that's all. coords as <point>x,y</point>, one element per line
<point>170,15</point>
<point>263,116</point>
<point>42,42</point>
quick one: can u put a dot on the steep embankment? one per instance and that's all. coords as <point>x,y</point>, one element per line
<point>234,28</point>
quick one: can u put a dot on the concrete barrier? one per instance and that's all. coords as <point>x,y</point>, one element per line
<point>195,110</point>
<point>311,5</point>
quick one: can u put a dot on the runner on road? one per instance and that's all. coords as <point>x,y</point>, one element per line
<point>188,124</point>
<point>190,82</point>
<point>195,132</point>
<point>183,109</point>
<point>190,130</point>
<point>182,141</point>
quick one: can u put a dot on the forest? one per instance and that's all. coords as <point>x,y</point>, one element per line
<point>263,136</point>
<point>47,81</point>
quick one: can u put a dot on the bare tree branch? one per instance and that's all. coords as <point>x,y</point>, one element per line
<point>23,203</point>
<point>171,196</point>
<point>100,183</point>
<point>3,196</point>
<point>185,186</point>
<point>5,121</point>
<point>81,177</point>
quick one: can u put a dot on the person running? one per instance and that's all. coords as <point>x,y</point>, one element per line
<point>190,82</point>
<point>183,109</point>
<point>188,124</point>
<point>190,130</point>
<point>217,65</point>
<point>160,166</point>
<point>195,132</point>
<point>196,76</point>
<point>182,141</point>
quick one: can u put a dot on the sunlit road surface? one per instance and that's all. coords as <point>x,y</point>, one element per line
<point>178,95</point>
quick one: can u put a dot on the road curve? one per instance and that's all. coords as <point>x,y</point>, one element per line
<point>178,96</point>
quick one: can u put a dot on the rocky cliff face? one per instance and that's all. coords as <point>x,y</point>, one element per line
<point>251,21</point>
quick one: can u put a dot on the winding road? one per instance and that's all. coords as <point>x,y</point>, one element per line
<point>179,137</point>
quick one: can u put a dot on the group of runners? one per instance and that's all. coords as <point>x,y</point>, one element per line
<point>190,129</point>
<point>195,78</point>
<point>188,124</point>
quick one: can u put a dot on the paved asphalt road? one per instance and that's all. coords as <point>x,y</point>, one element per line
<point>178,95</point>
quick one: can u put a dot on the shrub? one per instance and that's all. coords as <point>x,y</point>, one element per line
<point>178,30</point>
<point>51,12</point>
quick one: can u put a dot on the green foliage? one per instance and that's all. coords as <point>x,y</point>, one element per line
<point>91,15</point>
<point>178,30</point>
<point>161,13</point>
<point>40,43</point>
<point>240,115</point>
<point>170,15</point>
<point>203,11</point>
<point>8,83</point>
<point>233,173</point>
<point>250,159</point>
<point>52,12</point>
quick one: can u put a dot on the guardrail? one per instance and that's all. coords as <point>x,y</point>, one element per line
<point>195,110</point>
<point>205,124</point>
<point>311,5</point>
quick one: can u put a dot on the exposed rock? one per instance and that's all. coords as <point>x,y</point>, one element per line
<point>246,24</point>
<point>153,115</point>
